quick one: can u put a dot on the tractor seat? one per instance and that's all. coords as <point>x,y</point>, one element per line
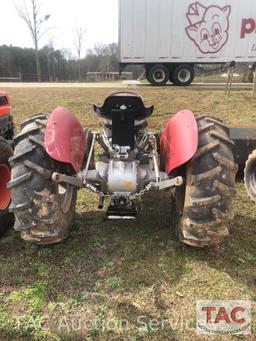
<point>129,102</point>
<point>123,110</point>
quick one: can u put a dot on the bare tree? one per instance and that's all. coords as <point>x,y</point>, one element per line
<point>99,49</point>
<point>99,52</point>
<point>29,12</point>
<point>79,33</point>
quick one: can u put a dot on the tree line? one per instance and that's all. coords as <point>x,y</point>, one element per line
<point>56,64</point>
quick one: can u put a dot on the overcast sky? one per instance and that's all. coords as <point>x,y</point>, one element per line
<point>98,17</point>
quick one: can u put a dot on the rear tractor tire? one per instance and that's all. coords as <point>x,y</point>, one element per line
<point>203,204</point>
<point>6,218</point>
<point>43,209</point>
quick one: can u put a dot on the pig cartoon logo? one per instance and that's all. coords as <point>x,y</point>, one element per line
<point>208,26</point>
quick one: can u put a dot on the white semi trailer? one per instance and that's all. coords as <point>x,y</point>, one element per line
<point>170,36</point>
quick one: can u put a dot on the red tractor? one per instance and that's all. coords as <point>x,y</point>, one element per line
<point>54,156</point>
<point>6,136</point>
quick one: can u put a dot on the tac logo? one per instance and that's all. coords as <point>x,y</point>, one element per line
<point>208,26</point>
<point>223,317</point>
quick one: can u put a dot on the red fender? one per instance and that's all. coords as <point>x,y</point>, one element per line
<point>5,177</point>
<point>64,138</point>
<point>179,140</point>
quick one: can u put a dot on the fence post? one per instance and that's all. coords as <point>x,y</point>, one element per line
<point>253,68</point>
<point>231,67</point>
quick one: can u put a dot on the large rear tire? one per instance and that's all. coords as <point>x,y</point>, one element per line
<point>203,204</point>
<point>6,218</point>
<point>43,209</point>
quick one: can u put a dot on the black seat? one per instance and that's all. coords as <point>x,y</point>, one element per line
<point>123,108</point>
<point>125,101</point>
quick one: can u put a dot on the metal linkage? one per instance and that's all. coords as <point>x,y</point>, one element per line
<point>80,180</point>
<point>154,157</point>
<point>164,184</point>
<point>104,142</point>
<point>72,180</point>
<point>94,136</point>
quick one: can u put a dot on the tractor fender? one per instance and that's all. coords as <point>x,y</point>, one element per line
<point>64,138</point>
<point>179,140</point>
<point>5,177</point>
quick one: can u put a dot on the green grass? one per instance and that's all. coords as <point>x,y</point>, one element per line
<point>110,280</point>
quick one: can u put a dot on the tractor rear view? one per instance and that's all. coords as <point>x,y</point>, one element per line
<point>6,136</point>
<point>55,156</point>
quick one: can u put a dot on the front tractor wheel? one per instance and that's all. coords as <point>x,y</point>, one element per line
<point>203,204</point>
<point>6,218</point>
<point>43,209</point>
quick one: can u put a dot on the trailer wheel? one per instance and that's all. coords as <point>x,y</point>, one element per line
<point>43,209</point>
<point>250,176</point>
<point>6,218</point>
<point>158,75</point>
<point>183,75</point>
<point>203,204</point>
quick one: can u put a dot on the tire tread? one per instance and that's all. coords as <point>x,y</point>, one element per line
<point>210,186</point>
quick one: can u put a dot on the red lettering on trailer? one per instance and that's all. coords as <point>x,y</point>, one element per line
<point>248,26</point>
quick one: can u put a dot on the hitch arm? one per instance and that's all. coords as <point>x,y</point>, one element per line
<point>176,182</point>
<point>75,181</point>
<point>58,177</point>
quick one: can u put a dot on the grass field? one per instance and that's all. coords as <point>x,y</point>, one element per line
<point>110,279</point>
